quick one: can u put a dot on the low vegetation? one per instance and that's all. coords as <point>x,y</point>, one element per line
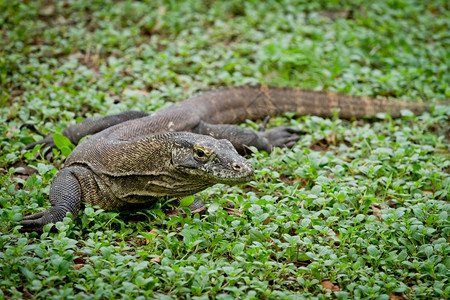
<point>357,209</point>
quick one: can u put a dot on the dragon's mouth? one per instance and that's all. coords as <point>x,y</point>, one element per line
<point>235,180</point>
<point>236,177</point>
<point>228,176</point>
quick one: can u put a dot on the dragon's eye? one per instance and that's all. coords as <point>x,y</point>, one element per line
<point>201,153</point>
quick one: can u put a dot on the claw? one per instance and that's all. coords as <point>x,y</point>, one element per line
<point>48,141</point>
<point>32,128</point>
<point>264,124</point>
<point>282,136</point>
<point>46,151</point>
<point>34,216</point>
<point>195,207</point>
<point>34,222</point>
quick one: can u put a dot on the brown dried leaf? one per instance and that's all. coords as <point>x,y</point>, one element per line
<point>320,145</point>
<point>391,203</point>
<point>233,211</point>
<point>327,284</point>
<point>393,296</point>
<point>155,236</point>
<point>335,237</point>
<point>15,93</point>
<point>162,10</point>
<point>135,91</point>
<point>376,210</point>
<point>47,10</point>
<point>335,14</point>
<point>267,221</point>
<point>331,139</point>
<point>330,286</point>
<point>175,212</point>
<point>9,134</point>
<point>156,259</point>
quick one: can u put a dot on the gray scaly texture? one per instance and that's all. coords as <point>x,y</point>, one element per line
<point>134,159</point>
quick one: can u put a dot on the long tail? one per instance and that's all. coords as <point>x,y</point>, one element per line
<point>235,104</point>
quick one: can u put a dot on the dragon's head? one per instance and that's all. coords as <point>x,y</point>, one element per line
<point>210,160</point>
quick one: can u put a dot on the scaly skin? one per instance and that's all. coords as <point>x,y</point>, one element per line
<point>134,158</point>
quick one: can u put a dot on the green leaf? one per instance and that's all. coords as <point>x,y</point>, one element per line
<point>256,236</point>
<point>36,285</point>
<point>186,201</point>
<point>63,144</point>
<point>238,249</point>
<point>17,217</point>
<point>213,207</point>
<point>306,222</point>
<point>428,250</point>
<point>302,256</point>
<point>406,113</point>
<point>47,227</point>
<point>373,251</point>
<point>27,273</point>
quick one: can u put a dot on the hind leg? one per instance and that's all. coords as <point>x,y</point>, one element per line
<point>241,137</point>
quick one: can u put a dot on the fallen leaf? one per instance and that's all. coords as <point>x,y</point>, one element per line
<point>47,10</point>
<point>331,139</point>
<point>132,92</point>
<point>9,134</point>
<point>320,145</point>
<point>155,236</point>
<point>393,296</point>
<point>335,237</point>
<point>376,210</point>
<point>326,284</point>
<point>156,260</point>
<point>391,203</point>
<point>78,266</point>
<point>234,212</point>
<point>16,93</point>
<point>175,212</point>
<point>267,221</point>
<point>335,14</point>
<point>162,10</point>
<point>330,286</point>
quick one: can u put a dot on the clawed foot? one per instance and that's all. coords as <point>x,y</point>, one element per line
<point>34,222</point>
<point>46,151</point>
<point>202,209</point>
<point>195,207</point>
<point>47,139</point>
<point>282,136</point>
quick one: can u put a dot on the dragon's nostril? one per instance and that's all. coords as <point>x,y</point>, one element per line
<point>236,167</point>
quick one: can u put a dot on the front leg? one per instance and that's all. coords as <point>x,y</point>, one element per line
<point>241,137</point>
<point>65,196</point>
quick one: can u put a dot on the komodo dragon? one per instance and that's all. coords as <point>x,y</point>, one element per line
<point>133,158</point>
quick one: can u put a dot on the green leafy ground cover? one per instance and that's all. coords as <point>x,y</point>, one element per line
<point>357,209</point>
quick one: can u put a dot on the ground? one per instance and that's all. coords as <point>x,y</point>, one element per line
<point>357,209</point>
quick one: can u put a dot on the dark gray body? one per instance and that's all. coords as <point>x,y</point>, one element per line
<point>135,159</point>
